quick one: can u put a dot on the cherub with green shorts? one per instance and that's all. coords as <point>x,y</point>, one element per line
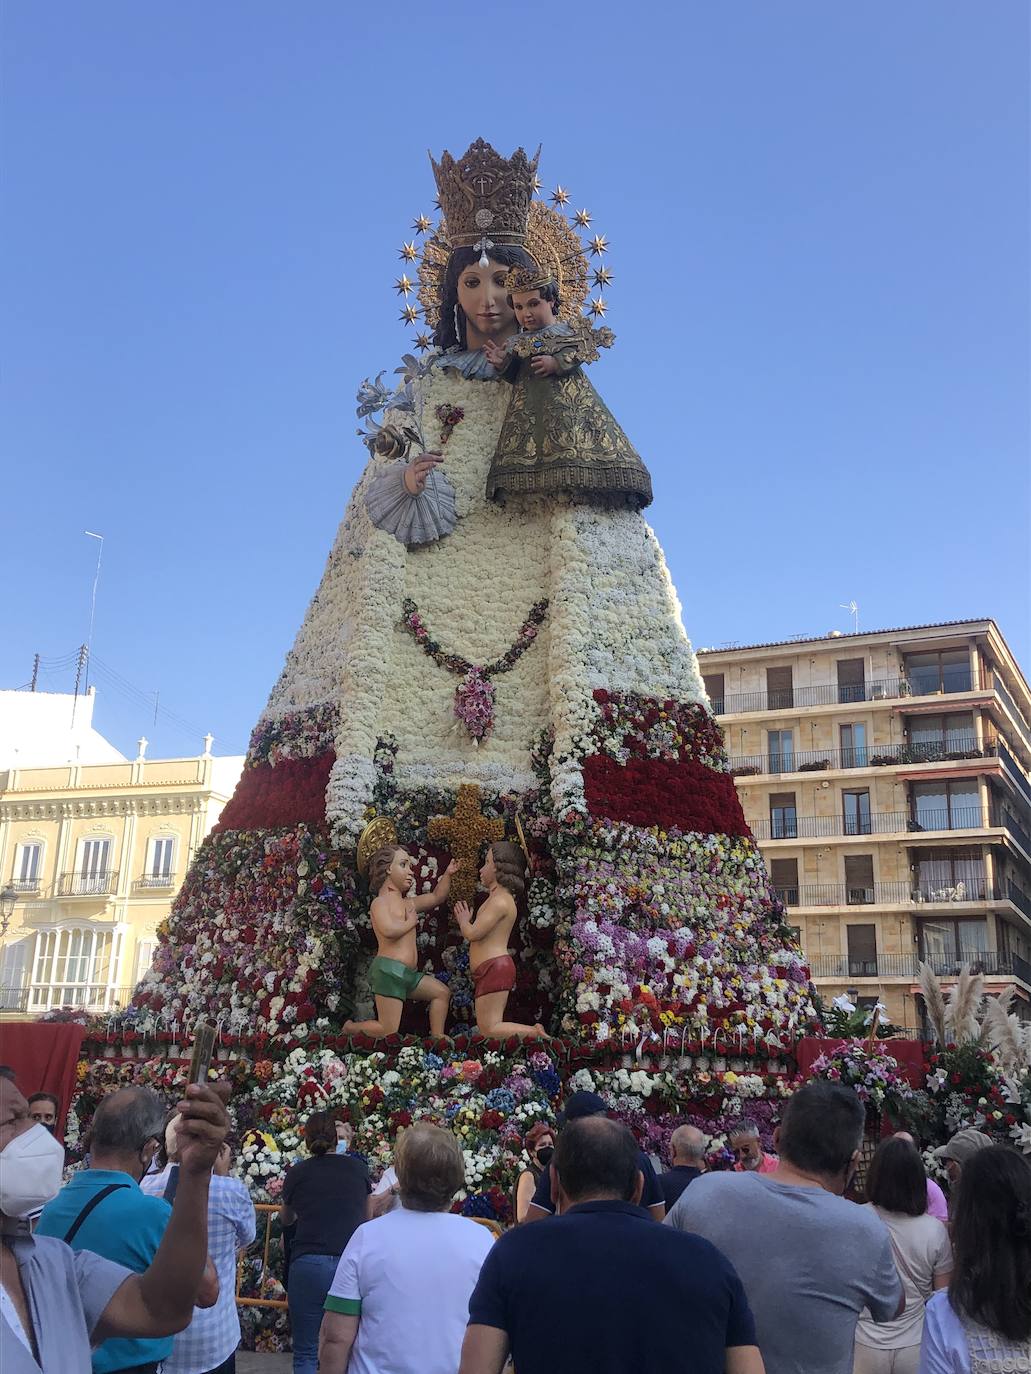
<point>393,974</point>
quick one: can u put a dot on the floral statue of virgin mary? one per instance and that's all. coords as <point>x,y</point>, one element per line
<point>481,661</point>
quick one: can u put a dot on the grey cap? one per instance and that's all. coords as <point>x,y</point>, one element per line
<point>964,1145</point>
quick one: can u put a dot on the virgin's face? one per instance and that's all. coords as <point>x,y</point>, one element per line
<point>484,300</point>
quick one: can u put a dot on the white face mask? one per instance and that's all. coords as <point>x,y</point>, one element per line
<point>31,1170</point>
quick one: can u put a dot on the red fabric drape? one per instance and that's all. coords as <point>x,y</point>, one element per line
<point>909,1053</point>
<point>44,1058</point>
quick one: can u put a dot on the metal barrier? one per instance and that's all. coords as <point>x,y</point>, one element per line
<point>268,1211</point>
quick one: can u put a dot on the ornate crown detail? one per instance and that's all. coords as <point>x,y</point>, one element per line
<point>484,196</point>
<point>528,279</point>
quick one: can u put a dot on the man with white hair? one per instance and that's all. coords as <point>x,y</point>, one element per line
<point>687,1152</point>
<point>745,1145</point>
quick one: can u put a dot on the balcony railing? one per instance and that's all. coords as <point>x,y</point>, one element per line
<point>25,886</point>
<point>156,880</point>
<point>86,885</point>
<point>864,756</point>
<point>877,823</point>
<point>43,997</point>
<point>849,966</point>
<point>843,894</point>
<point>1017,831</point>
<point>949,681</point>
<point>790,698</point>
<point>990,962</point>
<point>1019,898</point>
<point>971,888</point>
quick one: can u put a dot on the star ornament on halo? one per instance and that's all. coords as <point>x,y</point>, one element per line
<point>560,196</point>
<point>409,314</point>
<point>403,285</point>
<point>423,341</point>
<point>582,219</point>
<point>601,276</point>
<point>597,308</point>
<point>408,252</point>
<point>598,245</point>
<point>422,224</point>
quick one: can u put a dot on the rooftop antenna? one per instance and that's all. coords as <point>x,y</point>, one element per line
<point>93,602</point>
<point>853,611</point>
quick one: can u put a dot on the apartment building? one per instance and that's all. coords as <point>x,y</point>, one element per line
<point>885,776</point>
<point>92,853</point>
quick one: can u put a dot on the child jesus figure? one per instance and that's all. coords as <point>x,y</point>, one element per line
<point>394,974</point>
<point>558,437</point>
<point>488,933</point>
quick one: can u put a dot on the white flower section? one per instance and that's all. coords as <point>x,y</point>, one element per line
<point>615,624</point>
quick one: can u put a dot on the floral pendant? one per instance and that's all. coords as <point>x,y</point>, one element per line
<point>474,704</point>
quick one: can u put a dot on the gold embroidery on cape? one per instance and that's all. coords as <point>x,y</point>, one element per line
<point>558,434</point>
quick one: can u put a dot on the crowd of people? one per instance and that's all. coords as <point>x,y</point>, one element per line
<point>610,1267</point>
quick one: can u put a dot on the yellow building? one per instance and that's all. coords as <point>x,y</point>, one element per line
<point>92,853</point>
<point>885,776</point>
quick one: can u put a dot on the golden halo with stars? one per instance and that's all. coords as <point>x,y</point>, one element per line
<point>552,238</point>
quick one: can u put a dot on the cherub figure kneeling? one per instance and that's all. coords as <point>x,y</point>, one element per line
<point>488,932</point>
<point>394,974</point>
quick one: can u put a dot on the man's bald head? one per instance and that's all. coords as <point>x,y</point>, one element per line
<point>687,1146</point>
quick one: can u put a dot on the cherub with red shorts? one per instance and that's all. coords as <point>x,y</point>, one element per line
<point>488,933</point>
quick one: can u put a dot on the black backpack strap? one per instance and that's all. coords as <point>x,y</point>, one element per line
<point>94,1201</point>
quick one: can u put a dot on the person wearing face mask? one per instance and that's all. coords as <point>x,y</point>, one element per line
<point>55,1302</point>
<point>103,1209</point>
<point>539,1144</point>
<point>809,1260</point>
<point>45,1108</point>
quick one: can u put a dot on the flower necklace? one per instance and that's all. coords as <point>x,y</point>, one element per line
<point>474,695</point>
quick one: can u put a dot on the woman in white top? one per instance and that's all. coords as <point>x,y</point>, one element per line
<point>399,1302</point>
<point>982,1325</point>
<point>896,1187</point>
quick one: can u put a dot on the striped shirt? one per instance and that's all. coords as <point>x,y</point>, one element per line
<point>214,1332</point>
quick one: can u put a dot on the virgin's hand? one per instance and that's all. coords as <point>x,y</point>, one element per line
<point>418,470</point>
<point>202,1128</point>
<point>544,367</point>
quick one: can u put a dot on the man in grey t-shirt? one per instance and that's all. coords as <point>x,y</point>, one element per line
<point>809,1261</point>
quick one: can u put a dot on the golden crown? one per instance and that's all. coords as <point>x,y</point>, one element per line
<point>528,279</point>
<point>485,198</point>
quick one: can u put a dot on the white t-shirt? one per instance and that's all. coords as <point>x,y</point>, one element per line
<point>923,1252</point>
<point>408,1277</point>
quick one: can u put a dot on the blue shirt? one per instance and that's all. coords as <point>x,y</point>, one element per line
<point>601,1287</point>
<point>126,1227</point>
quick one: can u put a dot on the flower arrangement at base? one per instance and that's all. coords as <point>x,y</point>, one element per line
<point>875,1077</point>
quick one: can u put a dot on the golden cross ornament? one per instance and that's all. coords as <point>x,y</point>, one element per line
<point>464,833</point>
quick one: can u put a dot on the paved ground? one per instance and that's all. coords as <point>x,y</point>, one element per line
<point>249,1363</point>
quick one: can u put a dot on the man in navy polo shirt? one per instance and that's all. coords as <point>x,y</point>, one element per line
<point>599,1289</point>
<point>580,1105</point>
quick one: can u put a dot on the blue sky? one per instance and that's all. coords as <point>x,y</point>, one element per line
<point>818,218</point>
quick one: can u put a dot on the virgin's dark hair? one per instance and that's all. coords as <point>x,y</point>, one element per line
<point>510,867</point>
<point>897,1180</point>
<point>991,1243</point>
<point>504,254</point>
<point>320,1133</point>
